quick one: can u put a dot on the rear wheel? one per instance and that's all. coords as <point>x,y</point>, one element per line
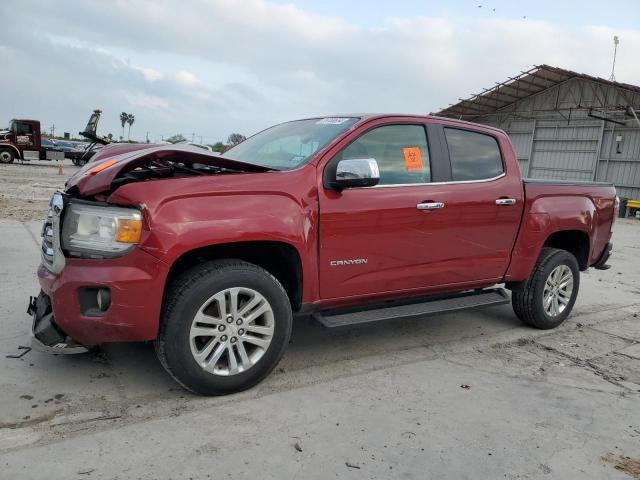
<point>225,326</point>
<point>7,155</point>
<point>550,292</point>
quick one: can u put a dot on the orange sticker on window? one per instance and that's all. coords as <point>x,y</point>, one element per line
<point>412,158</point>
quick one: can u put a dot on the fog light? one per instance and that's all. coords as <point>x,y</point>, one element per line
<point>103,299</point>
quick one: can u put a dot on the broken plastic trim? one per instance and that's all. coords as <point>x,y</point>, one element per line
<point>45,335</point>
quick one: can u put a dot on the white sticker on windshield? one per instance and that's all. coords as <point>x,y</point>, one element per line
<point>332,121</point>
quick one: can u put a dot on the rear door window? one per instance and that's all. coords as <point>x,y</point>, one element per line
<point>401,152</point>
<point>474,156</point>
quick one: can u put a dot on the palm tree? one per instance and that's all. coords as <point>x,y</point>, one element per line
<point>124,116</point>
<point>130,119</point>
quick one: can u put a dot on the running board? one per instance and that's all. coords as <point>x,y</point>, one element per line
<point>481,298</point>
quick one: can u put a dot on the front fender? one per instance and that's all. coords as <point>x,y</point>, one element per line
<point>190,213</point>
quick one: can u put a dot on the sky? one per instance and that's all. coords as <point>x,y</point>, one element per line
<point>208,68</point>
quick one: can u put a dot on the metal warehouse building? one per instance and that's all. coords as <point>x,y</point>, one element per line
<point>565,125</point>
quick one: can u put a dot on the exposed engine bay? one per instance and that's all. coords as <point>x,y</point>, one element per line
<point>167,168</point>
<point>118,165</point>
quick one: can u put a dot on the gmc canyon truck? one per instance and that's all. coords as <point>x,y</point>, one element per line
<point>347,219</point>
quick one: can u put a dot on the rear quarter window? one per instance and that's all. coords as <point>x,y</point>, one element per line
<point>474,156</point>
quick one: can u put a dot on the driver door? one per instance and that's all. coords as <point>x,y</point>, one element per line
<point>375,239</point>
<point>24,135</point>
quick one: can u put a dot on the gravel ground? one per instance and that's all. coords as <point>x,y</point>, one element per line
<point>466,395</point>
<point>25,189</point>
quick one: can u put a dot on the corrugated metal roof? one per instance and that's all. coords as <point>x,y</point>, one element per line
<point>533,81</point>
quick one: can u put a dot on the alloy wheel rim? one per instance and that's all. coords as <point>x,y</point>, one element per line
<point>231,331</point>
<point>5,157</point>
<point>557,290</point>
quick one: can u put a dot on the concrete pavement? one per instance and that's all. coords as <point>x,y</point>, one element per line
<point>373,401</point>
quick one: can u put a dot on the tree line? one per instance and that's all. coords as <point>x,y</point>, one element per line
<point>232,140</point>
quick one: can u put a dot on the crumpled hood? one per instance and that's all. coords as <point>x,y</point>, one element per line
<point>97,175</point>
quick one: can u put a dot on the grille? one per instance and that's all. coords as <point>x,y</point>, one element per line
<point>52,256</point>
<point>47,238</point>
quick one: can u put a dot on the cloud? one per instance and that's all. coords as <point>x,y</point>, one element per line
<point>148,73</point>
<point>187,78</point>
<point>145,101</point>
<point>224,65</point>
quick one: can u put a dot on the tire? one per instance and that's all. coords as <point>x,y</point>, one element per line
<point>7,155</point>
<point>197,292</point>
<point>529,303</point>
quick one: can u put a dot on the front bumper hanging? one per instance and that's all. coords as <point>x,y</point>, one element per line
<point>46,336</point>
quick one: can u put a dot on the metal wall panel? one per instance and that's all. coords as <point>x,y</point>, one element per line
<point>555,143</point>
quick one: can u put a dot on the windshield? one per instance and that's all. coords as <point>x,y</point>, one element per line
<point>289,145</point>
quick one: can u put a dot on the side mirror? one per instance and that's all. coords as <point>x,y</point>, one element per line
<point>356,172</point>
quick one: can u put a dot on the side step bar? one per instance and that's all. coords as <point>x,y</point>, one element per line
<point>481,298</point>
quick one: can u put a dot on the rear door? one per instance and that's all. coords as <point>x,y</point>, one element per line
<point>483,204</point>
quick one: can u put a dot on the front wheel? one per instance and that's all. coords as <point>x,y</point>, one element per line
<point>225,326</point>
<point>7,155</point>
<point>550,292</point>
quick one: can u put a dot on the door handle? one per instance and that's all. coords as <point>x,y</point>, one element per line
<point>430,205</point>
<point>505,201</point>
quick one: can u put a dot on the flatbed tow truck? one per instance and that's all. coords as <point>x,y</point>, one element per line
<point>23,141</point>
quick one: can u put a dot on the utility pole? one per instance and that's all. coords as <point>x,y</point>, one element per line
<point>53,129</point>
<point>147,137</point>
<point>616,41</point>
<point>193,135</point>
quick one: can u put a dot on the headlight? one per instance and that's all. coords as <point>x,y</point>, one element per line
<point>99,231</point>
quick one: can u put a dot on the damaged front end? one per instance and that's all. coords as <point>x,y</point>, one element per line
<point>46,336</point>
<point>112,168</point>
<point>96,285</point>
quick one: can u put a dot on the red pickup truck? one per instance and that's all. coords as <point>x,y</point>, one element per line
<point>348,219</point>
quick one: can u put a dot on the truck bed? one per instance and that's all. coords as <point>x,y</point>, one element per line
<point>551,181</point>
<point>585,208</point>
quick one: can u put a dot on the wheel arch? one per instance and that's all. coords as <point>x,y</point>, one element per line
<point>575,242</point>
<point>11,147</point>
<point>280,259</point>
